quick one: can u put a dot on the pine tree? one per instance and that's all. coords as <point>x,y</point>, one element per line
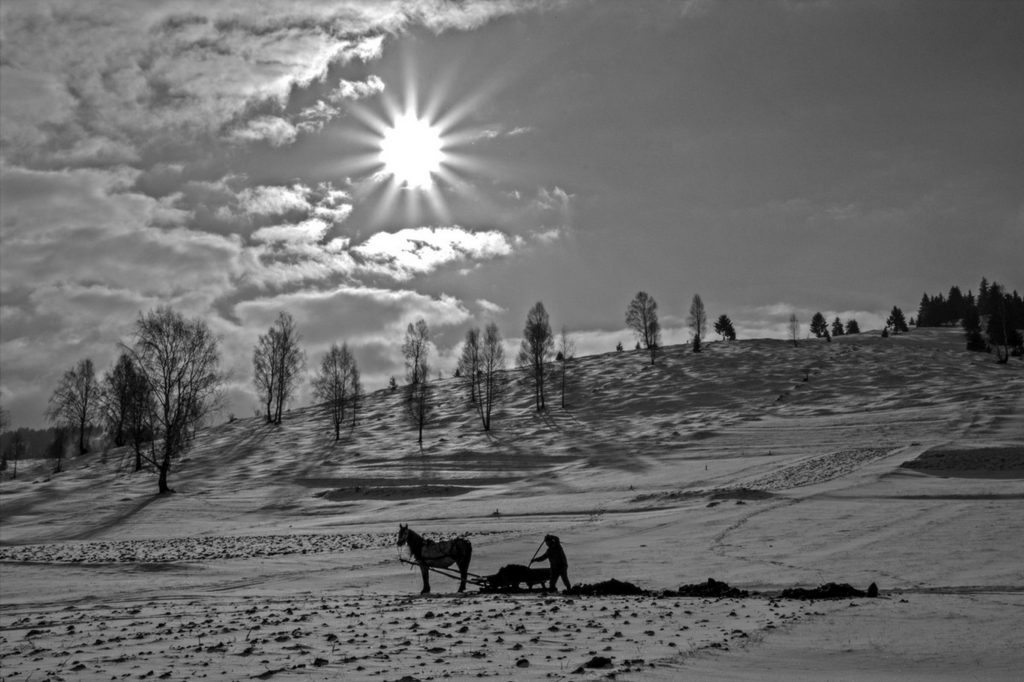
<point>819,327</point>
<point>837,327</point>
<point>852,327</point>
<point>724,328</point>
<point>896,321</point>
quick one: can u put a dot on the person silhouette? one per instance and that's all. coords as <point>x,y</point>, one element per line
<point>556,557</point>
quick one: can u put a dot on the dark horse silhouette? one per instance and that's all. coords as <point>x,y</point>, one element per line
<point>428,553</point>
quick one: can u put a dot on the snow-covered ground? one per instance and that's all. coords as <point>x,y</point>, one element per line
<point>754,463</point>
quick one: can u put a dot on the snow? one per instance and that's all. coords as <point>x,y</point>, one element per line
<point>755,463</point>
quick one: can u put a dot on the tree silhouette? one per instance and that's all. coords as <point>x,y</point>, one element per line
<point>698,321</point>
<point>416,350</point>
<point>971,324</point>
<point>896,321</point>
<point>852,327</point>
<point>127,405</point>
<point>1001,327</point>
<point>337,385</point>
<point>724,328</point>
<point>794,329</point>
<point>566,353</point>
<point>469,365</point>
<point>819,327</point>
<point>492,366</point>
<point>837,327</point>
<point>278,362</point>
<point>180,360</point>
<point>76,401</point>
<point>642,318</point>
<point>536,349</point>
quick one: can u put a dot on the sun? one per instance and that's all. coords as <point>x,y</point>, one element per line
<point>411,151</point>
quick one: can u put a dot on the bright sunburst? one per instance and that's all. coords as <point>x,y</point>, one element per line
<point>411,151</point>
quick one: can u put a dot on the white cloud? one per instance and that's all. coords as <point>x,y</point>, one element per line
<point>420,250</point>
<point>274,199</point>
<point>554,199</point>
<point>490,306</point>
<point>352,90</point>
<point>273,129</point>
<point>307,232</point>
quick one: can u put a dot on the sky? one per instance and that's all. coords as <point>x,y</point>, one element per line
<point>773,157</point>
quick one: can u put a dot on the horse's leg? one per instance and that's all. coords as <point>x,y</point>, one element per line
<point>464,567</point>
<point>426,579</point>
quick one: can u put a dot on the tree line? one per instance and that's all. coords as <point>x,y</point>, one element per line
<point>991,321</point>
<point>167,378</point>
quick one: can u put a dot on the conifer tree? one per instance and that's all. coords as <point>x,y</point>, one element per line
<point>724,328</point>
<point>852,327</point>
<point>837,327</point>
<point>819,327</point>
<point>896,321</point>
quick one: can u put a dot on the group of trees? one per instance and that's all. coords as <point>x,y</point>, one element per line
<point>821,329</point>
<point>991,320</point>
<point>167,378</point>
<point>164,383</point>
<point>278,362</point>
<point>642,319</point>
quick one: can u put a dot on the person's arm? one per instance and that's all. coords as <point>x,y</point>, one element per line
<point>542,557</point>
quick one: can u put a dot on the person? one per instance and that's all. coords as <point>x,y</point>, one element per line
<point>559,564</point>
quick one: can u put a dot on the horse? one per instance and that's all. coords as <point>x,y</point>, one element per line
<point>437,554</point>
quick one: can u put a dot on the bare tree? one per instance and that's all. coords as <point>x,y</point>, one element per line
<point>642,318</point>
<point>278,362</point>
<point>536,349</point>
<point>116,397</point>
<point>337,385</point>
<point>357,392</point>
<point>794,329</point>
<point>55,451</point>
<point>416,350</point>
<point>566,353</point>
<point>127,405</point>
<point>15,451</point>
<point>180,360</point>
<point>492,366</point>
<point>698,321</point>
<point>75,402</point>
<point>469,365</point>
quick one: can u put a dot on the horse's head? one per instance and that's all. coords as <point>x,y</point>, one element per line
<point>403,534</point>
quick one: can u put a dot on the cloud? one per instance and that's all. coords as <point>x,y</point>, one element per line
<point>324,202</point>
<point>274,200</point>
<point>420,250</point>
<point>183,72</point>
<point>554,199</point>
<point>274,129</point>
<point>307,232</point>
<point>490,306</point>
<point>352,90</point>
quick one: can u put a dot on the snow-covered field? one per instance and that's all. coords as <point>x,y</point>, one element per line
<point>754,463</point>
